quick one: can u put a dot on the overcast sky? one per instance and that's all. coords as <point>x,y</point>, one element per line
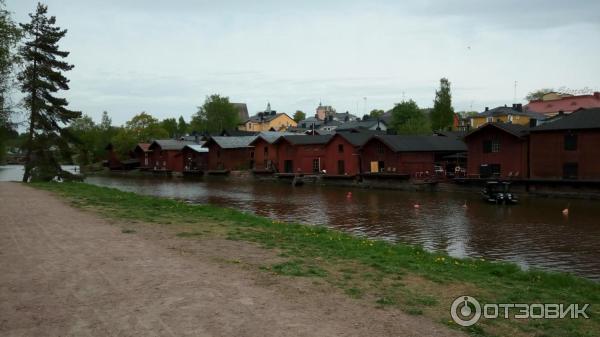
<point>165,57</point>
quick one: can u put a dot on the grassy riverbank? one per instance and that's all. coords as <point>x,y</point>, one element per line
<point>387,275</point>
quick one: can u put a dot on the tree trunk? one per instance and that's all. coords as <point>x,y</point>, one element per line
<point>27,173</point>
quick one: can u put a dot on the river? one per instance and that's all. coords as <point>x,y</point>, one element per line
<point>531,234</point>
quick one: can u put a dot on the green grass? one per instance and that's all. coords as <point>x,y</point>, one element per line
<point>390,275</point>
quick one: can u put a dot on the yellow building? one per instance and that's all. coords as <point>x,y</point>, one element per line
<point>271,122</point>
<point>504,114</point>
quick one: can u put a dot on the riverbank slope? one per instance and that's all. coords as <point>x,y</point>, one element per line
<point>383,279</point>
<point>68,272</point>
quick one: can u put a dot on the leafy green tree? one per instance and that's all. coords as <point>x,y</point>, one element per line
<point>538,94</point>
<point>105,122</point>
<point>10,35</point>
<point>182,127</point>
<point>40,80</point>
<point>407,118</point>
<point>170,125</point>
<point>376,113</point>
<point>123,142</point>
<point>215,115</point>
<point>442,115</point>
<point>143,127</point>
<point>90,142</point>
<point>299,115</point>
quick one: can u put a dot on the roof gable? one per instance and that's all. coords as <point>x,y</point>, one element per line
<point>516,130</point>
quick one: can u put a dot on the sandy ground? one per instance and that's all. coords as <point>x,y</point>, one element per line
<point>68,272</point>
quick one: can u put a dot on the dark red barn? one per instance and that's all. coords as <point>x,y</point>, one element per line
<point>343,151</point>
<point>230,153</point>
<point>166,154</point>
<point>408,155</point>
<point>498,150</point>
<point>265,151</point>
<point>302,153</point>
<point>142,153</point>
<point>567,148</point>
<point>195,158</point>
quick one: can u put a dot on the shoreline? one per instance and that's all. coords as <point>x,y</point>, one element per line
<point>536,189</point>
<point>397,275</point>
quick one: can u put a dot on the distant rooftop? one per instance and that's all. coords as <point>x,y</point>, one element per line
<point>565,104</point>
<point>234,142</point>
<point>580,119</point>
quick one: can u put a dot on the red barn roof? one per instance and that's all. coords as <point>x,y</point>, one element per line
<point>565,104</point>
<point>145,147</point>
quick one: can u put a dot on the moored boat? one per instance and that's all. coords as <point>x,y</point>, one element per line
<point>498,192</point>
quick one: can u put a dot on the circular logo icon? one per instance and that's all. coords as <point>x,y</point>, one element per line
<point>465,310</point>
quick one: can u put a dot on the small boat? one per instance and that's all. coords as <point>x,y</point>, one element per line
<point>498,192</point>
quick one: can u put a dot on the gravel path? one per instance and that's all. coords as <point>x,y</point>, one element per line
<point>68,272</point>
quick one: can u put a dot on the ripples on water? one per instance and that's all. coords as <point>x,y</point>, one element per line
<point>532,234</point>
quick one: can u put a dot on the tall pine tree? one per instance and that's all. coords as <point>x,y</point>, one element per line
<point>442,115</point>
<point>9,37</point>
<point>40,80</point>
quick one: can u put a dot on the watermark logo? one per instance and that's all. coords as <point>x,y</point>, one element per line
<point>466,311</point>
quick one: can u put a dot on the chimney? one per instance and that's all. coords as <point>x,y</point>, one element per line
<point>597,94</point>
<point>560,112</point>
<point>487,108</point>
<point>518,107</point>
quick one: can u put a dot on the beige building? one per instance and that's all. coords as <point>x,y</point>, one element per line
<point>269,120</point>
<point>504,114</point>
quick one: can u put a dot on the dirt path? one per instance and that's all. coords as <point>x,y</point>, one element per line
<point>67,272</point>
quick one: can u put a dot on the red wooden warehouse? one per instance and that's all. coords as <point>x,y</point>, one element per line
<point>498,150</point>
<point>195,158</point>
<point>142,153</point>
<point>567,148</point>
<point>230,153</point>
<point>166,154</point>
<point>302,153</point>
<point>265,151</point>
<point>342,157</point>
<point>407,155</point>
